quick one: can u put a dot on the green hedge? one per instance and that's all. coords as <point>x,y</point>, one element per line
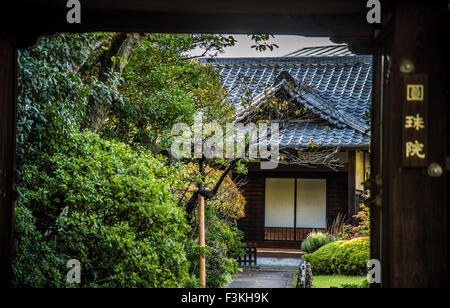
<point>320,259</point>
<point>341,257</point>
<point>351,257</point>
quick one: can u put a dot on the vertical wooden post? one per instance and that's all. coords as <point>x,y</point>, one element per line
<point>412,212</point>
<point>295,209</point>
<point>8,56</point>
<point>351,208</point>
<point>201,237</point>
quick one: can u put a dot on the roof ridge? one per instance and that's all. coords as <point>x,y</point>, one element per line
<point>288,60</point>
<point>322,51</point>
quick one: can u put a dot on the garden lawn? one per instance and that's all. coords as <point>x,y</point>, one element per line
<point>327,281</point>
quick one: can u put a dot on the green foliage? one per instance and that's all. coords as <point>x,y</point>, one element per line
<point>37,263</point>
<point>338,281</point>
<point>320,260</point>
<point>51,97</point>
<point>162,88</point>
<point>362,229</point>
<point>315,240</point>
<point>261,42</point>
<point>110,207</point>
<point>351,257</point>
<point>223,246</point>
<point>341,257</point>
<point>363,285</point>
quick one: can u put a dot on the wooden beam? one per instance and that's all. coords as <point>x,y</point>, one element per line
<point>7,156</point>
<point>327,18</point>
<point>351,177</point>
<point>295,209</point>
<point>207,6</point>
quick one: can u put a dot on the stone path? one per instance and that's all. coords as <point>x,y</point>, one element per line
<point>263,278</point>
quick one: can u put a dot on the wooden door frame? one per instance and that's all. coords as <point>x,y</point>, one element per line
<point>413,260</point>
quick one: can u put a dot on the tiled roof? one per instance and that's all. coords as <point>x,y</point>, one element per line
<point>339,92</point>
<point>298,136</point>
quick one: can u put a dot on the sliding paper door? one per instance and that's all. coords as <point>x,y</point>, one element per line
<point>279,205</point>
<point>311,203</point>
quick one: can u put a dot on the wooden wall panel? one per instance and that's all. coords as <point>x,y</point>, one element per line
<point>336,196</point>
<point>253,222</point>
<point>7,155</point>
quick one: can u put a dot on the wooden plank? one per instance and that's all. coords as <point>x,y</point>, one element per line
<point>7,155</point>
<point>337,195</point>
<point>413,246</point>
<point>230,6</point>
<point>318,18</point>
<point>377,155</point>
<point>295,209</point>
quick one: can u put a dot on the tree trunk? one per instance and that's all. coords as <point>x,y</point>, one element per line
<point>122,47</point>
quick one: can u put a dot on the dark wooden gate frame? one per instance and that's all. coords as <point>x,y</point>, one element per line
<point>409,209</point>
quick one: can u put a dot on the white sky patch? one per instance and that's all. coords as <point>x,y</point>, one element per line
<point>286,43</point>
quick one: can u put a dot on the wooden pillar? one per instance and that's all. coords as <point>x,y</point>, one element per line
<point>295,209</point>
<point>351,176</point>
<point>411,211</point>
<point>7,155</point>
<point>376,158</point>
<point>201,238</point>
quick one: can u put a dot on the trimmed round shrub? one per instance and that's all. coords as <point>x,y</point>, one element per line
<point>320,260</point>
<point>341,257</point>
<point>351,257</point>
<point>315,240</point>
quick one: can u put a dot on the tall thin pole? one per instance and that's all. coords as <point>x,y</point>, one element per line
<point>201,238</point>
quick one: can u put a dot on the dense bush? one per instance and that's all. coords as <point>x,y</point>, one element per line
<point>315,240</point>
<point>51,96</point>
<point>351,257</point>
<point>320,260</point>
<point>110,207</point>
<point>36,262</point>
<point>341,257</point>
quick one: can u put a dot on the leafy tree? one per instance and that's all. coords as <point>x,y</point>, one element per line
<point>163,88</point>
